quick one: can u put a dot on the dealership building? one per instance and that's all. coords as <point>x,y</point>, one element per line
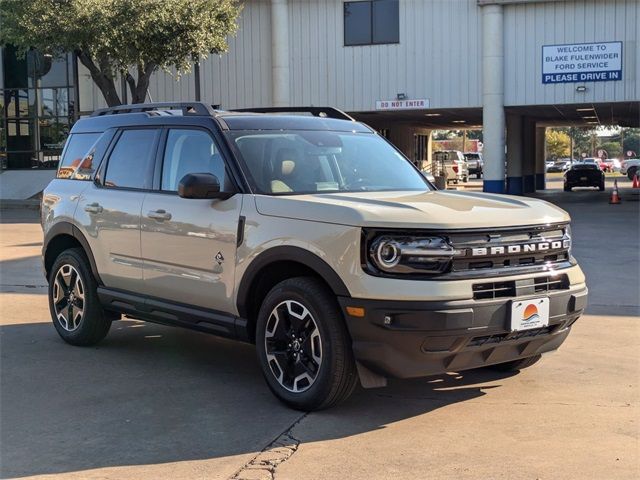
<point>405,67</point>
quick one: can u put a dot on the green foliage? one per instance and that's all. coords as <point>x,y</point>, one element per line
<point>558,143</point>
<point>613,149</point>
<point>457,134</point>
<point>114,36</point>
<point>632,140</point>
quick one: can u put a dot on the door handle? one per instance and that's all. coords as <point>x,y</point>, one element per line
<point>94,207</point>
<point>160,215</point>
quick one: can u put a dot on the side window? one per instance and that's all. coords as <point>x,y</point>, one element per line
<point>130,164</point>
<point>74,155</point>
<point>190,151</point>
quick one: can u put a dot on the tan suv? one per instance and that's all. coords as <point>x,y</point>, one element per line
<point>306,233</point>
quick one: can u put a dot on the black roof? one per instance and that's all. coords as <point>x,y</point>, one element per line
<point>270,121</point>
<point>194,113</point>
<point>585,166</point>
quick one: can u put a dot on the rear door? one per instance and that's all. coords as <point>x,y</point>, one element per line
<point>109,209</point>
<point>189,245</point>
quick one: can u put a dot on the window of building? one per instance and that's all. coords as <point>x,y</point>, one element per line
<point>131,161</point>
<point>371,22</point>
<point>36,108</point>
<point>190,151</point>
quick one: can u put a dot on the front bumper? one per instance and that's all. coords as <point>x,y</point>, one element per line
<point>428,338</point>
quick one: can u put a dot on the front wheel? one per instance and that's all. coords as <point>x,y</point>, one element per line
<point>303,345</point>
<point>73,300</point>
<point>516,365</point>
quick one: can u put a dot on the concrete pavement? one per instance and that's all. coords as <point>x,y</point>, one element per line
<point>154,402</point>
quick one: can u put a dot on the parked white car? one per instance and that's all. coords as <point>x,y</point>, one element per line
<point>630,167</point>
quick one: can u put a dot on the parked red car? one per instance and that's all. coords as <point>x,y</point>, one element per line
<point>607,165</point>
<point>602,164</point>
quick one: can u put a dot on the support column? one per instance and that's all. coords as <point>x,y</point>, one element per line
<point>529,157</point>
<point>280,53</point>
<point>429,164</point>
<point>540,158</point>
<point>493,98</point>
<point>514,154</point>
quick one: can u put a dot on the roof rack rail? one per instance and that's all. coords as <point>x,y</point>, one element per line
<point>188,108</point>
<point>326,112</point>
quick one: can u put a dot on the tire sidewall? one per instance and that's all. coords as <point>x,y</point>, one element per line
<point>322,384</point>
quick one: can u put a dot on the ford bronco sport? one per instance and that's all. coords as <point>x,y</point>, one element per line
<point>308,235</point>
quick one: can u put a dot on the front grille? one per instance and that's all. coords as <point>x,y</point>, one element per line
<point>517,288</point>
<point>501,337</point>
<point>521,249</point>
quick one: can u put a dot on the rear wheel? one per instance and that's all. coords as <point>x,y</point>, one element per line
<point>601,187</point>
<point>303,345</point>
<point>632,172</point>
<point>73,300</point>
<point>516,365</point>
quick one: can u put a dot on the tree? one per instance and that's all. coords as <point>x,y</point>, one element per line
<point>613,149</point>
<point>581,141</point>
<point>558,143</point>
<point>632,140</point>
<point>131,37</point>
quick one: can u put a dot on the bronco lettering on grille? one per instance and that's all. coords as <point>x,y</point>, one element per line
<point>521,248</point>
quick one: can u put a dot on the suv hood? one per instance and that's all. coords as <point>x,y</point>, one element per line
<point>436,209</point>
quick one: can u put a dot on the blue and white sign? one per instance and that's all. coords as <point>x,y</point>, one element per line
<point>582,62</point>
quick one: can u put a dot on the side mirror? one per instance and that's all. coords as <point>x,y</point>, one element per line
<point>201,185</point>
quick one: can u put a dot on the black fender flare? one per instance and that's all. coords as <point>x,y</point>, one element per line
<point>68,228</point>
<point>291,254</point>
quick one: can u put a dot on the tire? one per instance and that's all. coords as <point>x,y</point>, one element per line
<point>85,323</point>
<point>601,187</point>
<point>516,365</point>
<point>567,189</point>
<point>323,373</point>
<point>631,173</point>
<point>479,175</point>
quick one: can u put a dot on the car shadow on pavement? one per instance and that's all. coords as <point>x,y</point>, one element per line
<point>151,394</point>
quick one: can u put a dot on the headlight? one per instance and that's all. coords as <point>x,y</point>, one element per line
<point>567,241</point>
<point>403,254</point>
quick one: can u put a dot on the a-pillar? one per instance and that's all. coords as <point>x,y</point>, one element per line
<point>529,156</point>
<point>540,158</point>
<point>514,154</point>
<point>493,98</point>
<point>280,53</point>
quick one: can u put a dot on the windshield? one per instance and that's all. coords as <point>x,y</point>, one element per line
<point>290,162</point>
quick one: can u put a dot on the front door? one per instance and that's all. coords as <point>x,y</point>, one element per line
<point>189,245</point>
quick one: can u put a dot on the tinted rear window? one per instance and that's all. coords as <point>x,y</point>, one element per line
<point>77,146</point>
